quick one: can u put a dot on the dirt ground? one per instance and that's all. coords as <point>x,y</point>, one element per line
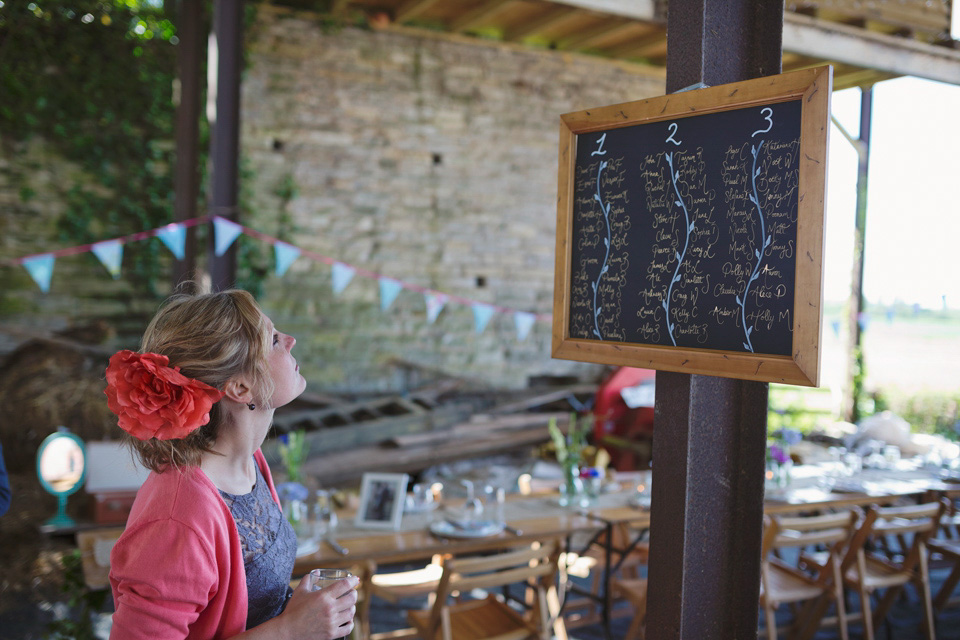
<point>32,572</point>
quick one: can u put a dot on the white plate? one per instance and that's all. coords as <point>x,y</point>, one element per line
<point>449,530</point>
<point>307,547</point>
<point>410,507</point>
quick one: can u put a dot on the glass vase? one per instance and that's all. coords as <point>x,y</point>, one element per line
<point>571,487</point>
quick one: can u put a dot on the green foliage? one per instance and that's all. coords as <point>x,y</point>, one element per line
<point>94,79</point>
<point>293,449</point>
<point>799,408</point>
<point>81,600</point>
<point>569,447</point>
<point>927,412</point>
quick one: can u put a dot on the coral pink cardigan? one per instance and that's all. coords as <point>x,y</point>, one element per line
<point>177,570</point>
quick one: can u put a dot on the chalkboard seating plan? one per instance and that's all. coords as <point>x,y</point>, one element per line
<point>690,230</point>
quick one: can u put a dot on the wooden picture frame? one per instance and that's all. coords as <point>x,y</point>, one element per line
<point>810,89</point>
<point>381,500</point>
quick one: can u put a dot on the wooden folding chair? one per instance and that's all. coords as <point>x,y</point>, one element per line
<point>949,550</point>
<point>634,591</point>
<point>868,572</point>
<point>490,618</point>
<point>393,587</point>
<point>783,583</point>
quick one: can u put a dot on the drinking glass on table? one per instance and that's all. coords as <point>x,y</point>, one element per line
<point>325,514</point>
<point>321,578</point>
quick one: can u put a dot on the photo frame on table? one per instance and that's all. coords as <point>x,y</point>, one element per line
<point>381,500</point>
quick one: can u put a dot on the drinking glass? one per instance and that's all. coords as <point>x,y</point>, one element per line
<point>325,514</point>
<point>321,578</point>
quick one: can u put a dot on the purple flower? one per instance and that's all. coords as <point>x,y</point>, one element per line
<point>778,454</point>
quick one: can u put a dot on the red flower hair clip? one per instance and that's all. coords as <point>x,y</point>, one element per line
<point>155,400</point>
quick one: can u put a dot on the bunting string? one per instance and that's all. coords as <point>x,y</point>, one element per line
<point>110,253</point>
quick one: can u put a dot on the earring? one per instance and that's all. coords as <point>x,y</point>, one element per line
<point>251,406</point>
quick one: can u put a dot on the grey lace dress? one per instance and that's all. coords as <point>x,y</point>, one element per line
<point>269,550</point>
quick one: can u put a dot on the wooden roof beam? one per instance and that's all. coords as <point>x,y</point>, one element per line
<point>643,10</point>
<point>888,54</point>
<point>411,9</point>
<point>641,47</point>
<point>593,37</point>
<point>549,20</point>
<point>478,17</point>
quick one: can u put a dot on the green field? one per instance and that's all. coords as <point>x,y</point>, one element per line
<point>912,361</point>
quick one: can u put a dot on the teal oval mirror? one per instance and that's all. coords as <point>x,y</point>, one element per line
<point>61,468</point>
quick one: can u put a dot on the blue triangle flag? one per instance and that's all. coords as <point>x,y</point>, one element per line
<point>224,233</point>
<point>110,253</point>
<point>40,269</point>
<point>481,315</point>
<point>835,325</point>
<point>389,288</point>
<point>342,274</point>
<point>285,255</point>
<point>435,303</point>
<point>175,237</point>
<point>524,322</point>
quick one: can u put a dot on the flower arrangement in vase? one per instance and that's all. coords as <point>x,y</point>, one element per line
<point>293,493</point>
<point>779,462</point>
<point>569,451</point>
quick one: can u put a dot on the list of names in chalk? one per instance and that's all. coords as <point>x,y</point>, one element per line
<point>684,231</point>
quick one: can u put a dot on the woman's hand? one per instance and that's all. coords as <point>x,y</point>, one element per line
<point>326,614</point>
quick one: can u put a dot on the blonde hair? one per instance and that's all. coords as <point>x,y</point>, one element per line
<point>212,337</point>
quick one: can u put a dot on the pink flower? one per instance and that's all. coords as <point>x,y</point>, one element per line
<point>154,400</point>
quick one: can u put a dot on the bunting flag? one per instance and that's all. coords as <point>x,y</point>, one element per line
<point>389,288</point>
<point>835,325</point>
<point>342,274</point>
<point>174,236</point>
<point>435,303</point>
<point>524,322</point>
<point>863,319</point>
<point>481,315</point>
<point>224,233</point>
<point>285,255</point>
<point>40,269</point>
<point>110,253</point>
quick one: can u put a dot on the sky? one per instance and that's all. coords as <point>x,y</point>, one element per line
<point>913,201</point>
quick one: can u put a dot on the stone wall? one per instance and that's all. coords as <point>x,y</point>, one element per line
<point>425,158</point>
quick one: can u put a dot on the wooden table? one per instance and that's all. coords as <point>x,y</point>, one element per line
<point>532,518</point>
<point>540,517</point>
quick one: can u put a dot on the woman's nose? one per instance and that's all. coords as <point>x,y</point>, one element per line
<point>290,342</point>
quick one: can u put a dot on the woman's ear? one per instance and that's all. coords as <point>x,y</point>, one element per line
<point>238,390</point>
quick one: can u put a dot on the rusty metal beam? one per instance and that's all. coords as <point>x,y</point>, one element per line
<point>225,138</point>
<point>186,176</point>
<point>709,440</point>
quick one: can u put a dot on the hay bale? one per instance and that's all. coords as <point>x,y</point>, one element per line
<point>45,384</point>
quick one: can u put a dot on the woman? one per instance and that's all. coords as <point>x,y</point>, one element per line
<point>206,552</point>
